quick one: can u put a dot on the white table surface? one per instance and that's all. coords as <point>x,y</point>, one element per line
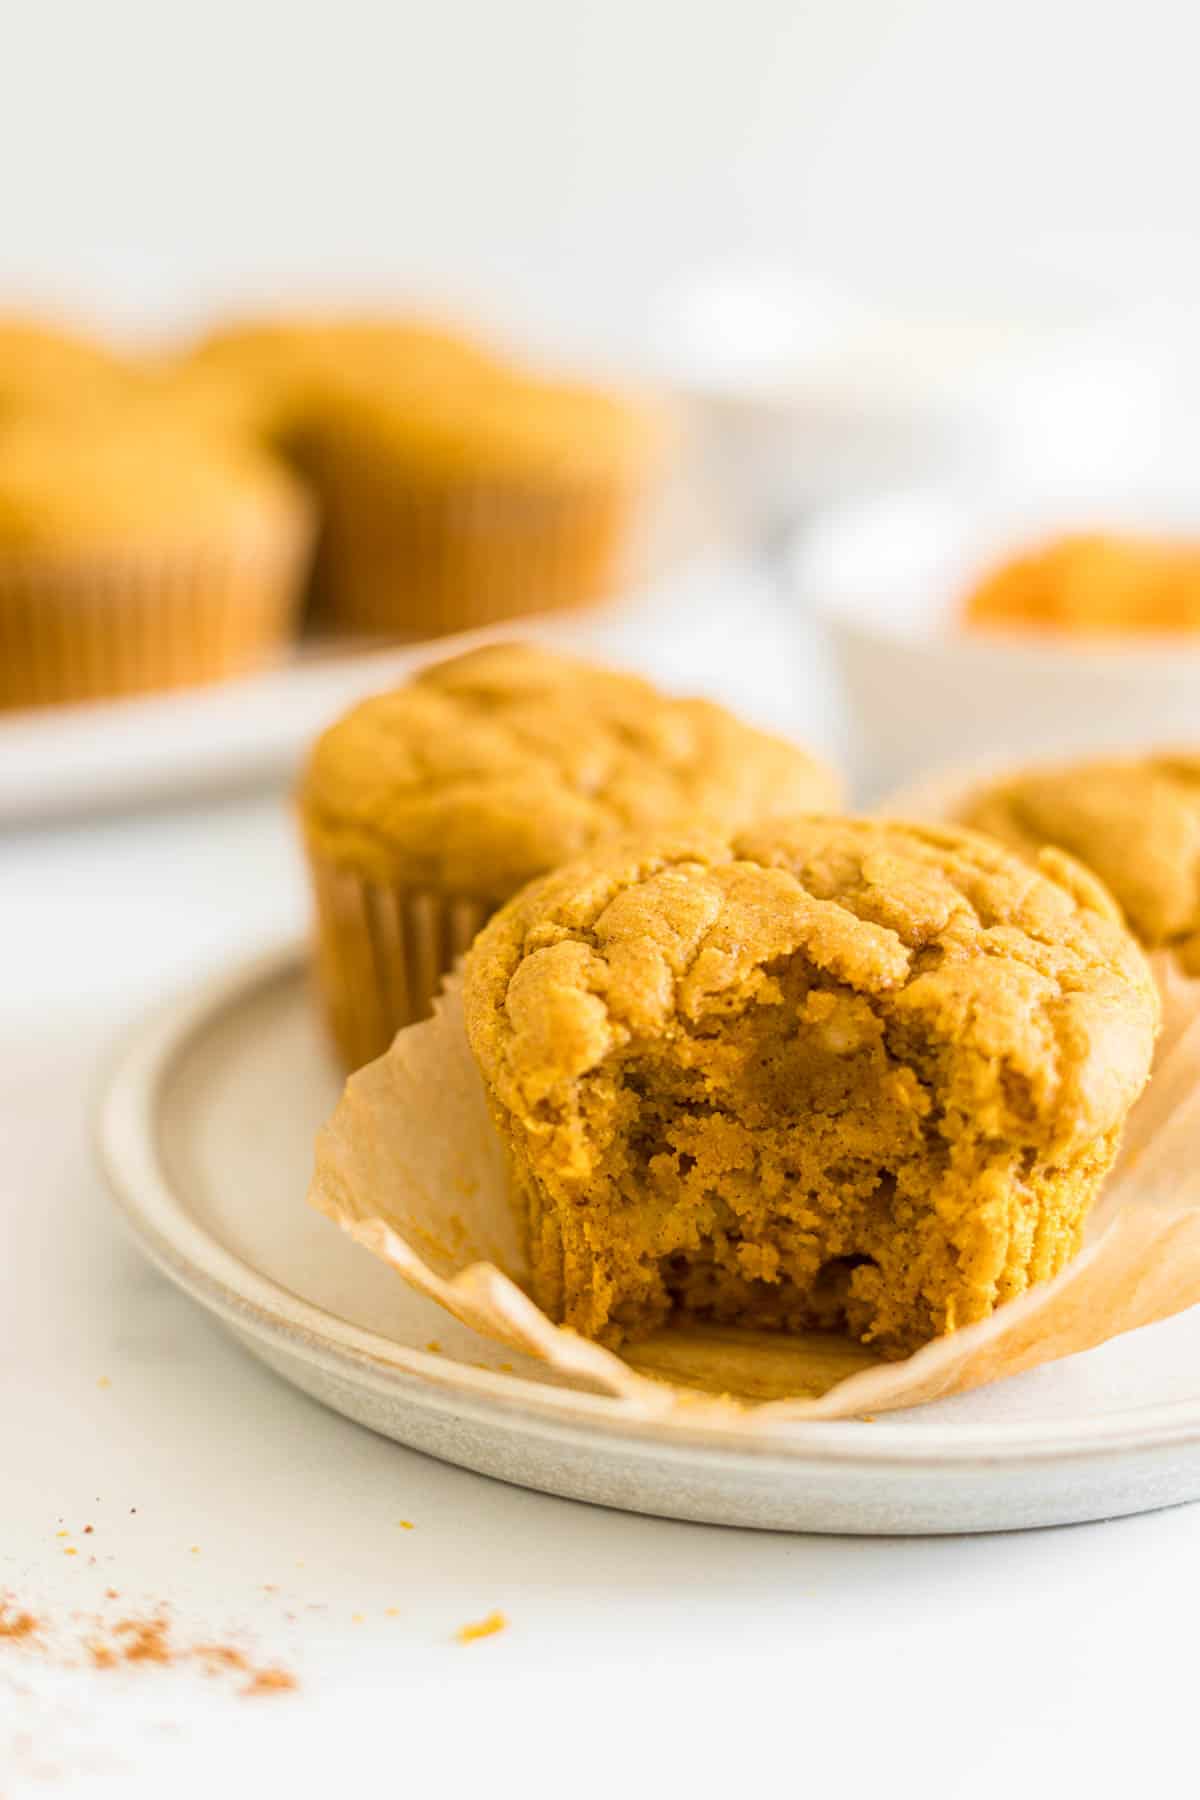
<point>641,1654</point>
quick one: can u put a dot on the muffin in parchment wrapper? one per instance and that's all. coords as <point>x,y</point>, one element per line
<point>412,1167</point>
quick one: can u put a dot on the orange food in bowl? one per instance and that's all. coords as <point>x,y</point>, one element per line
<point>1096,582</point>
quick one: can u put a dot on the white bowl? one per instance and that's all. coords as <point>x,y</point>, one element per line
<point>887,577</point>
<point>801,394</point>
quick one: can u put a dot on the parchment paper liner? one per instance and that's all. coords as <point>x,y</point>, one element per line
<point>80,627</point>
<point>411,1167</point>
<point>382,952</point>
<point>423,556</point>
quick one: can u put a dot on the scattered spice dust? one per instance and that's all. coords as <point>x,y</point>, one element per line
<point>217,1659</point>
<point>16,1624</point>
<point>144,1640</point>
<point>484,1628</point>
<point>270,1681</point>
<point>148,1640</point>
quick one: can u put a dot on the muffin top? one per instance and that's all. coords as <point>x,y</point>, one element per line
<point>502,423</point>
<point>295,340</point>
<point>278,373</point>
<point>104,479</point>
<point>1095,582</point>
<point>1038,1001</point>
<point>1135,822</point>
<point>40,361</point>
<point>490,768</point>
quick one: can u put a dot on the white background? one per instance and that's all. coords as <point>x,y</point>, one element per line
<point>555,164</point>
<point>560,160</point>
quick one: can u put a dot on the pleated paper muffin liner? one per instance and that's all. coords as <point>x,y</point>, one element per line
<point>88,626</point>
<point>408,554</point>
<point>411,1166</point>
<point>382,952</point>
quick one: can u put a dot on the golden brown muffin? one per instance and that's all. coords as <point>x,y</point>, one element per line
<point>272,375</point>
<point>1099,583</point>
<point>425,808</point>
<point>827,1072</point>
<point>453,499</point>
<point>1135,822</point>
<point>43,364</point>
<point>136,553</point>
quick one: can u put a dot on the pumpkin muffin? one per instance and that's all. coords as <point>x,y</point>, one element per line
<point>136,553</point>
<point>425,808</point>
<point>1135,822</point>
<point>42,364</point>
<point>456,499</point>
<point>273,376</point>
<point>826,1072</point>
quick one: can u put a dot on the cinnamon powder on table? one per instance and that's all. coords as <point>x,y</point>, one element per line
<point>16,1624</point>
<point>269,1681</point>
<point>138,1640</point>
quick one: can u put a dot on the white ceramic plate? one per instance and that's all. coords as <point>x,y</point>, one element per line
<point>887,577</point>
<point>206,1133</point>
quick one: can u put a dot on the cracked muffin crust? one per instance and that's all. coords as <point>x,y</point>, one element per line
<point>827,1072</point>
<point>425,808</point>
<point>495,766</point>
<point>1134,822</point>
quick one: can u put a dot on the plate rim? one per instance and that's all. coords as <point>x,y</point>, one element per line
<point>125,1134</point>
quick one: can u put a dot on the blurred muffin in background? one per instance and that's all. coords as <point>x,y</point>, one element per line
<point>425,808</point>
<point>269,375</point>
<point>455,499</point>
<point>1094,583</point>
<point>44,364</point>
<point>137,552</point>
<point>447,488</point>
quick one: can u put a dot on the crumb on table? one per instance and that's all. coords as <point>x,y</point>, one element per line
<point>483,1628</point>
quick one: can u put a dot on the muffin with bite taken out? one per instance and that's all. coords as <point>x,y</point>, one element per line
<point>815,1072</point>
